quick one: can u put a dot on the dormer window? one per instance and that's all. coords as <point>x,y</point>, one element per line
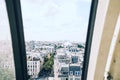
<point>71,72</point>
<point>77,73</point>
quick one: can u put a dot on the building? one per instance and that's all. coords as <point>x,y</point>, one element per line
<point>33,68</point>
<point>68,62</point>
<point>47,49</point>
<point>64,72</point>
<point>34,64</point>
<point>75,72</point>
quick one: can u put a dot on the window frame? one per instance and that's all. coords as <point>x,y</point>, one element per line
<point>92,17</point>
<point>18,43</point>
<point>17,36</point>
<point>71,72</point>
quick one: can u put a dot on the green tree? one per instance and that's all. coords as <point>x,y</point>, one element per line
<point>60,47</point>
<point>80,46</point>
<point>49,63</point>
<point>47,66</point>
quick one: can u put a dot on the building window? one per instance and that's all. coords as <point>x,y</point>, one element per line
<point>77,73</point>
<point>71,72</point>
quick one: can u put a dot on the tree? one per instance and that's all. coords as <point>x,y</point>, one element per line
<point>80,46</point>
<point>47,66</point>
<point>60,47</point>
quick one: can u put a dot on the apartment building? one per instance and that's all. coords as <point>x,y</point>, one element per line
<point>68,63</point>
<point>33,68</point>
<point>34,64</point>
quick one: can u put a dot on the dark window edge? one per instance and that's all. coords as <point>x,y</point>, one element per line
<point>17,36</point>
<point>90,30</point>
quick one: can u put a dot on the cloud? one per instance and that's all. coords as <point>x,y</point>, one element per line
<point>46,19</point>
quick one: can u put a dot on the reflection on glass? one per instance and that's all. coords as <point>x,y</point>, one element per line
<point>7,71</point>
<point>55,34</point>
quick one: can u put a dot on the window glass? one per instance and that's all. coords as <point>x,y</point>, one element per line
<point>77,73</point>
<point>7,70</point>
<point>71,72</point>
<point>55,32</point>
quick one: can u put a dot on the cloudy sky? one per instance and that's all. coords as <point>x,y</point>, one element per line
<point>51,20</point>
<point>4,25</point>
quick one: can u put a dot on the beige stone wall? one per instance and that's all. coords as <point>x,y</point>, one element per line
<point>115,63</point>
<point>105,39</point>
<point>109,26</point>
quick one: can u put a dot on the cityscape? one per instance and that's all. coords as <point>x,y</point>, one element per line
<point>47,60</point>
<point>55,34</point>
<point>61,60</point>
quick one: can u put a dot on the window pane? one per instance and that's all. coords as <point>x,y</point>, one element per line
<point>55,35</point>
<point>7,70</point>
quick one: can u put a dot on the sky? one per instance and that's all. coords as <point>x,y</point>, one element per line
<point>4,24</point>
<point>52,20</point>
